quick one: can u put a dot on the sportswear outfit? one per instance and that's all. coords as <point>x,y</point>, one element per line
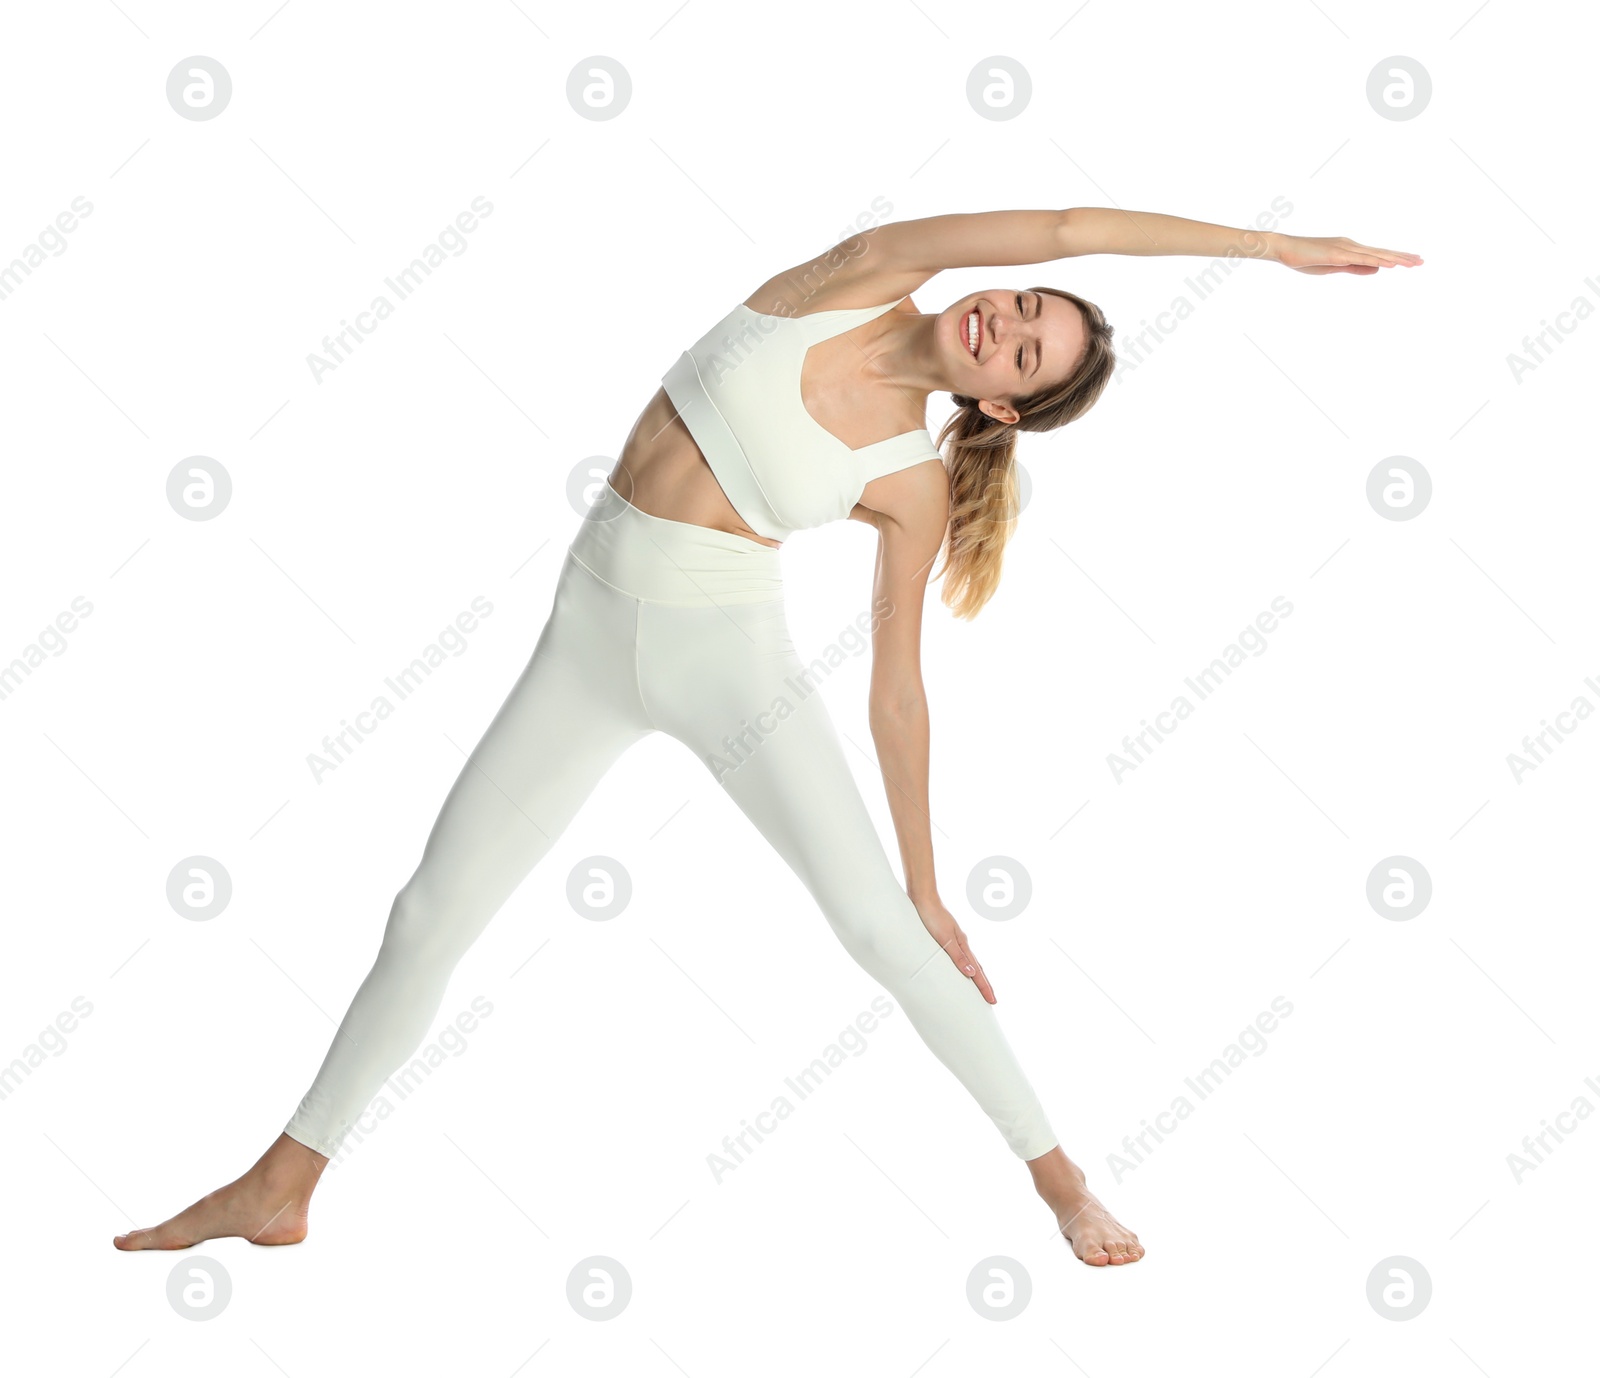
<point>666,626</point>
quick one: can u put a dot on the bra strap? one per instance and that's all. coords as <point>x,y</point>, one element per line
<point>824,325</point>
<point>896,453</point>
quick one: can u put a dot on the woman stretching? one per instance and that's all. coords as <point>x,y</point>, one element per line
<point>804,405</point>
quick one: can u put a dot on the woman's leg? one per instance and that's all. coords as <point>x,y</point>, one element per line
<point>572,712</point>
<point>727,682</point>
<point>790,778</point>
<point>574,709</point>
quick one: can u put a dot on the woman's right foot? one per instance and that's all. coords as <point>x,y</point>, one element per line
<point>268,1205</point>
<point>1094,1233</point>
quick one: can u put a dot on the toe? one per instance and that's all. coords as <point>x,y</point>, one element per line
<point>162,1236</point>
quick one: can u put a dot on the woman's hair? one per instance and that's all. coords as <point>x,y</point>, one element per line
<point>981,461</point>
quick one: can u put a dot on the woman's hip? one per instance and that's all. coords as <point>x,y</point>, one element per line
<point>658,560</point>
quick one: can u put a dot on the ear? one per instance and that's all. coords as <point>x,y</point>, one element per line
<point>999,411</point>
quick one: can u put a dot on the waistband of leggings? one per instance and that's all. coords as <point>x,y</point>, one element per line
<point>663,561</point>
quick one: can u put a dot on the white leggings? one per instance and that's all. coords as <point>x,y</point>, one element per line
<point>665,626</point>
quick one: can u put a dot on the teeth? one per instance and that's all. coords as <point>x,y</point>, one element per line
<point>972,333</point>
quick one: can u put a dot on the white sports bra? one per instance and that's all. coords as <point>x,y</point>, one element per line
<point>737,389</point>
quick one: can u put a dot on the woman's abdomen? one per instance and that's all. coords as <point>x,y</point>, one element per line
<point>661,471</point>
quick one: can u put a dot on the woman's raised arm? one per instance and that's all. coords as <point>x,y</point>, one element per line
<point>974,239</point>
<point>1008,238</point>
<point>895,259</point>
<point>1099,230</point>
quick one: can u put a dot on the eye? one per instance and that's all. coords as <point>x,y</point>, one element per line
<point>1019,347</point>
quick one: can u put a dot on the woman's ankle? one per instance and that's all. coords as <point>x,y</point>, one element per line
<point>1054,1172</point>
<point>289,1165</point>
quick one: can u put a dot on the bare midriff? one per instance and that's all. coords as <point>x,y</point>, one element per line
<point>661,471</point>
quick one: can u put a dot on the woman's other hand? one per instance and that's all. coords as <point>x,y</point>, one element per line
<point>940,922</point>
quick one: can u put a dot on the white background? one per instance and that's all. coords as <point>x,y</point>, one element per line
<point>1230,868</point>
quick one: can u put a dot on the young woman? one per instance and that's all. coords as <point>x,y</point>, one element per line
<point>803,405</point>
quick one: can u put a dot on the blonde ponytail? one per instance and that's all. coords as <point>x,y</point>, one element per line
<point>980,460</point>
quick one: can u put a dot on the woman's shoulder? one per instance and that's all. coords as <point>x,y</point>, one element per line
<point>802,291</point>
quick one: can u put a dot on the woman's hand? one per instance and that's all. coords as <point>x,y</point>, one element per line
<point>1337,255</point>
<point>947,933</point>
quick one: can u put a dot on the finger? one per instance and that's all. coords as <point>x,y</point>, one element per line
<point>1329,265</point>
<point>1393,255</point>
<point>984,988</point>
<point>1358,254</point>
<point>975,971</point>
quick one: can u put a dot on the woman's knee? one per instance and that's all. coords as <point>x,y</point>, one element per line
<point>425,925</point>
<point>886,938</point>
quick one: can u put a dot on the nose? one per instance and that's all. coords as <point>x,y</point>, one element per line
<point>1001,323</point>
<point>1012,321</point>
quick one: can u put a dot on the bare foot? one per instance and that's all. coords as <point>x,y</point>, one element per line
<point>268,1205</point>
<point>1094,1233</point>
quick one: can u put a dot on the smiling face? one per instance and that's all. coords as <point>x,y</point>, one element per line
<point>1009,343</point>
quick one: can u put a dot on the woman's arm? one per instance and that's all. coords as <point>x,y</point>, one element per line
<point>893,260</point>
<point>1006,238</point>
<point>909,537</point>
<point>1097,230</point>
<point>1001,238</point>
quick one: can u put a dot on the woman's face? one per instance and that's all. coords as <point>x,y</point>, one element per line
<point>1010,343</point>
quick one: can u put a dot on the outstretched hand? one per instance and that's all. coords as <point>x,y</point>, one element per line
<point>947,933</point>
<point>1338,254</point>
